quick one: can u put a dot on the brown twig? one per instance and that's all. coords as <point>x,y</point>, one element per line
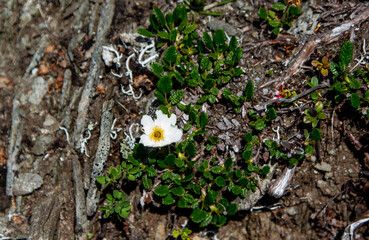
<point>298,96</point>
<point>319,40</point>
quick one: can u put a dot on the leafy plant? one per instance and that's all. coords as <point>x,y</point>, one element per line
<point>322,66</point>
<point>116,203</point>
<point>281,15</point>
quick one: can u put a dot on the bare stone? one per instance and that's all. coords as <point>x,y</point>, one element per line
<point>323,166</point>
<point>325,188</point>
<point>26,183</point>
<point>222,126</point>
<point>236,123</point>
<point>42,144</point>
<point>217,24</point>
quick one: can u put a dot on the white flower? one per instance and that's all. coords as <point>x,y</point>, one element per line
<point>161,131</point>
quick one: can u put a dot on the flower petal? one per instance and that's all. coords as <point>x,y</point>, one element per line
<point>172,119</point>
<point>147,124</point>
<point>160,116</point>
<point>145,140</point>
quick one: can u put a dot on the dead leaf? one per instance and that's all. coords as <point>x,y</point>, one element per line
<point>43,69</point>
<point>142,81</point>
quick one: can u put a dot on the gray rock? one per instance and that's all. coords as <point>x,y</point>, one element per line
<point>291,211</point>
<point>239,4</point>
<point>26,183</point>
<point>222,126</point>
<point>323,166</point>
<point>306,23</point>
<point>38,90</point>
<point>42,144</point>
<point>227,123</point>
<point>236,123</point>
<point>50,124</point>
<point>325,188</point>
<point>217,24</point>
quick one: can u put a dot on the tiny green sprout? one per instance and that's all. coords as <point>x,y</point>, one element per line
<point>269,73</point>
<point>322,66</point>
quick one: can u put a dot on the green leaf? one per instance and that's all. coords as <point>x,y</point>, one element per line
<point>314,81</point>
<point>169,160</point>
<point>294,161</point>
<point>262,13</point>
<point>276,31</point>
<point>271,113</point>
<point>355,100</point>
<point>101,180</point>
<point>182,203</point>
<point>190,150</point>
<point>219,181</point>
<point>233,43</point>
<point>151,172</point>
<point>162,190</point>
<point>163,35</point>
<point>176,96</point>
<point>119,195</point>
<point>147,183</point>
<point>249,91</point>
<point>165,84</point>
<point>237,55</point>
<point>173,35</point>
<point>260,124</point>
<point>179,12</point>
<point>278,6</point>
<point>275,23</point>
<point>203,119</point>
<point>232,209</point>
<point>333,68</point>
<point>366,96</point>
<point>265,170</point>
<point>207,220</point>
<point>219,37</point>
<point>189,198</point>
<point>354,83</point>
<point>319,106</point>
<point>170,54</point>
<point>246,155</point>
<point>214,91</point>
<point>168,200</point>
<point>139,152</point>
<point>144,32</point>
<point>154,23</point>
<point>159,16</point>
<point>207,40</point>
<point>204,63</point>
<point>236,72</point>
<point>346,53</point>
<point>216,169</point>
<point>178,191</point>
<point>219,220</point>
<point>316,134</point>
<point>198,215</point>
<point>189,29</point>
<point>228,163</point>
<point>226,93</point>
<point>157,69</point>
<point>169,20</point>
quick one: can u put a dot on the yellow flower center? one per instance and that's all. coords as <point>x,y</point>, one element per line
<point>157,134</point>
